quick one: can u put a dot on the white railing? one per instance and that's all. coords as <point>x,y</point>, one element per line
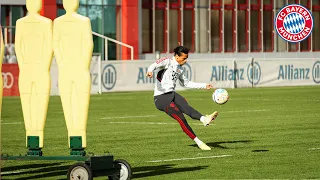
<point>8,40</point>
<point>8,31</point>
<point>106,55</point>
<point>115,41</point>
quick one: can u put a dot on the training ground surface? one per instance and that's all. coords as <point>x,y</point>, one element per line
<point>260,133</point>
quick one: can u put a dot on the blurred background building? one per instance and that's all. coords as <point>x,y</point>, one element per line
<point>210,28</point>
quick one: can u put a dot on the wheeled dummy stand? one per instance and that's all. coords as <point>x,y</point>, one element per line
<point>71,40</point>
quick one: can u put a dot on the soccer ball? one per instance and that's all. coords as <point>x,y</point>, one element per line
<point>220,96</point>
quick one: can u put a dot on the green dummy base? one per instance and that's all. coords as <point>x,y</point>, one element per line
<point>76,146</point>
<point>33,146</point>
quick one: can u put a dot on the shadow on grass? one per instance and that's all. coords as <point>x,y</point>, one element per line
<point>220,143</point>
<point>47,174</point>
<point>37,171</point>
<point>28,166</point>
<point>43,171</point>
<point>149,171</point>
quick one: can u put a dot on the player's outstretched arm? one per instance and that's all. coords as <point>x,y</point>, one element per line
<point>161,63</point>
<point>149,74</point>
<point>209,86</point>
<point>190,84</point>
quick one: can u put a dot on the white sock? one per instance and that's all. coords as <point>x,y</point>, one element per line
<point>202,119</point>
<point>198,141</point>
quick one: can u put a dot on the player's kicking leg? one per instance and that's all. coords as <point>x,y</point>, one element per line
<point>194,114</point>
<point>172,110</point>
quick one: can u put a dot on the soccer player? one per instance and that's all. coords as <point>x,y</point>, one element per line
<point>166,99</point>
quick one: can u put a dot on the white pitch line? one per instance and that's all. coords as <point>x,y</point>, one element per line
<point>146,116</point>
<point>11,172</point>
<point>183,159</point>
<point>146,123</point>
<point>257,110</point>
<point>11,123</point>
<point>126,117</point>
<point>314,149</point>
<point>153,123</point>
<point>140,123</point>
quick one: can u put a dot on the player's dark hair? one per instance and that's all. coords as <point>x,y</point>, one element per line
<point>181,49</point>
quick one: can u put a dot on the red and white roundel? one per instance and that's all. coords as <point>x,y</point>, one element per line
<point>294,23</point>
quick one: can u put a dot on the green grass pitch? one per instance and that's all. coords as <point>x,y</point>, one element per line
<point>266,133</point>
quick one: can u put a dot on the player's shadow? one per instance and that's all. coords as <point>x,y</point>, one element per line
<point>220,144</point>
<point>150,171</point>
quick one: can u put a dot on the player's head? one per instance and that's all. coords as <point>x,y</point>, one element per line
<point>34,6</point>
<point>71,5</point>
<point>181,54</point>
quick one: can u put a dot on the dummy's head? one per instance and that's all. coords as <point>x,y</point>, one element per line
<point>71,5</point>
<point>34,6</point>
<point>181,54</point>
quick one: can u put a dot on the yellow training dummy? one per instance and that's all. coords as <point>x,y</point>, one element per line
<point>73,46</point>
<point>33,46</point>
<point>1,59</point>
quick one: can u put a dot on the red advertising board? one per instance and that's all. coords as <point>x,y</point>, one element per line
<point>10,76</point>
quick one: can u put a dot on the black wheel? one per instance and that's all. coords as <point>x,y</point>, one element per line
<point>125,171</point>
<point>80,171</point>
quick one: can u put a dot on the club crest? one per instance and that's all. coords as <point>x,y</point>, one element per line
<point>294,23</point>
